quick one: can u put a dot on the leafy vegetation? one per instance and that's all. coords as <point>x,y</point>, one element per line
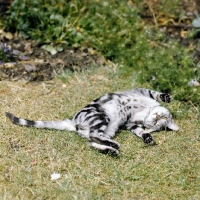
<point>115,29</point>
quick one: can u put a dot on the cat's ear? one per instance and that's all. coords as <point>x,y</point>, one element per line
<point>173,126</point>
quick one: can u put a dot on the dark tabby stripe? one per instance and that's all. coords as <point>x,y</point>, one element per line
<point>151,94</point>
<point>16,120</point>
<point>99,125</point>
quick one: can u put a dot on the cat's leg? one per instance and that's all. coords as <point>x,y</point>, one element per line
<point>158,96</point>
<point>92,123</point>
<point>99,136</point>
<point>145,135</point>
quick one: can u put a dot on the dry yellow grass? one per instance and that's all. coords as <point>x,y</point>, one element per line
<point>28,156</point>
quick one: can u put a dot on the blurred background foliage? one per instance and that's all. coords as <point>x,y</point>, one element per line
<point>115,29</point>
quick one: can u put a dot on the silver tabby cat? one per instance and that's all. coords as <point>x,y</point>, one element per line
<point>138,110</point>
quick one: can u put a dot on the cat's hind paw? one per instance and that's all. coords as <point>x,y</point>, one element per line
<point>104,149</point>
<point>167,98</point>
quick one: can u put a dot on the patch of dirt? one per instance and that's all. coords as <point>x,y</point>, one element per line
<point>38,65</point>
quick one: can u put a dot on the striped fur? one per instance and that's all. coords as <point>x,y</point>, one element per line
<point>138,110</point>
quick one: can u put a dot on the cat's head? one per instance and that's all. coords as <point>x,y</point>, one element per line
<point>160,118</point>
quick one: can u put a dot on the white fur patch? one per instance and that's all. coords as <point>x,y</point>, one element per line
<point>59,125</point>
<point>103,147</point>
<point>22,122</point>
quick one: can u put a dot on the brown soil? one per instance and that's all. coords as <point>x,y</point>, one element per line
<point>40,65</point>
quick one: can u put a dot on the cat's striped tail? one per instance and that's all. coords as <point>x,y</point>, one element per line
<point>59,125</point>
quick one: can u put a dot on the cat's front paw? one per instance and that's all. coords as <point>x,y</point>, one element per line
<point>167,98</point>
<point>148,139</point>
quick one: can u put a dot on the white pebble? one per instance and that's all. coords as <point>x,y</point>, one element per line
<point>55,176</point>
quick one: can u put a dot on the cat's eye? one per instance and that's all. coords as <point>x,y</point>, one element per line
<point>157,116</point>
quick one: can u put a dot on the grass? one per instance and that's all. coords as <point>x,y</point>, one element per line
<point>29,156</point>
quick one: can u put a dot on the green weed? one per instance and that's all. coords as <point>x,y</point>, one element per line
<point>115,29</point>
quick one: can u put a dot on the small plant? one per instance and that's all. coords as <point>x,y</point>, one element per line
<point>51,24</point>
<point>196,24</point>
<point>196,21</point>
<point>7,54</point>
